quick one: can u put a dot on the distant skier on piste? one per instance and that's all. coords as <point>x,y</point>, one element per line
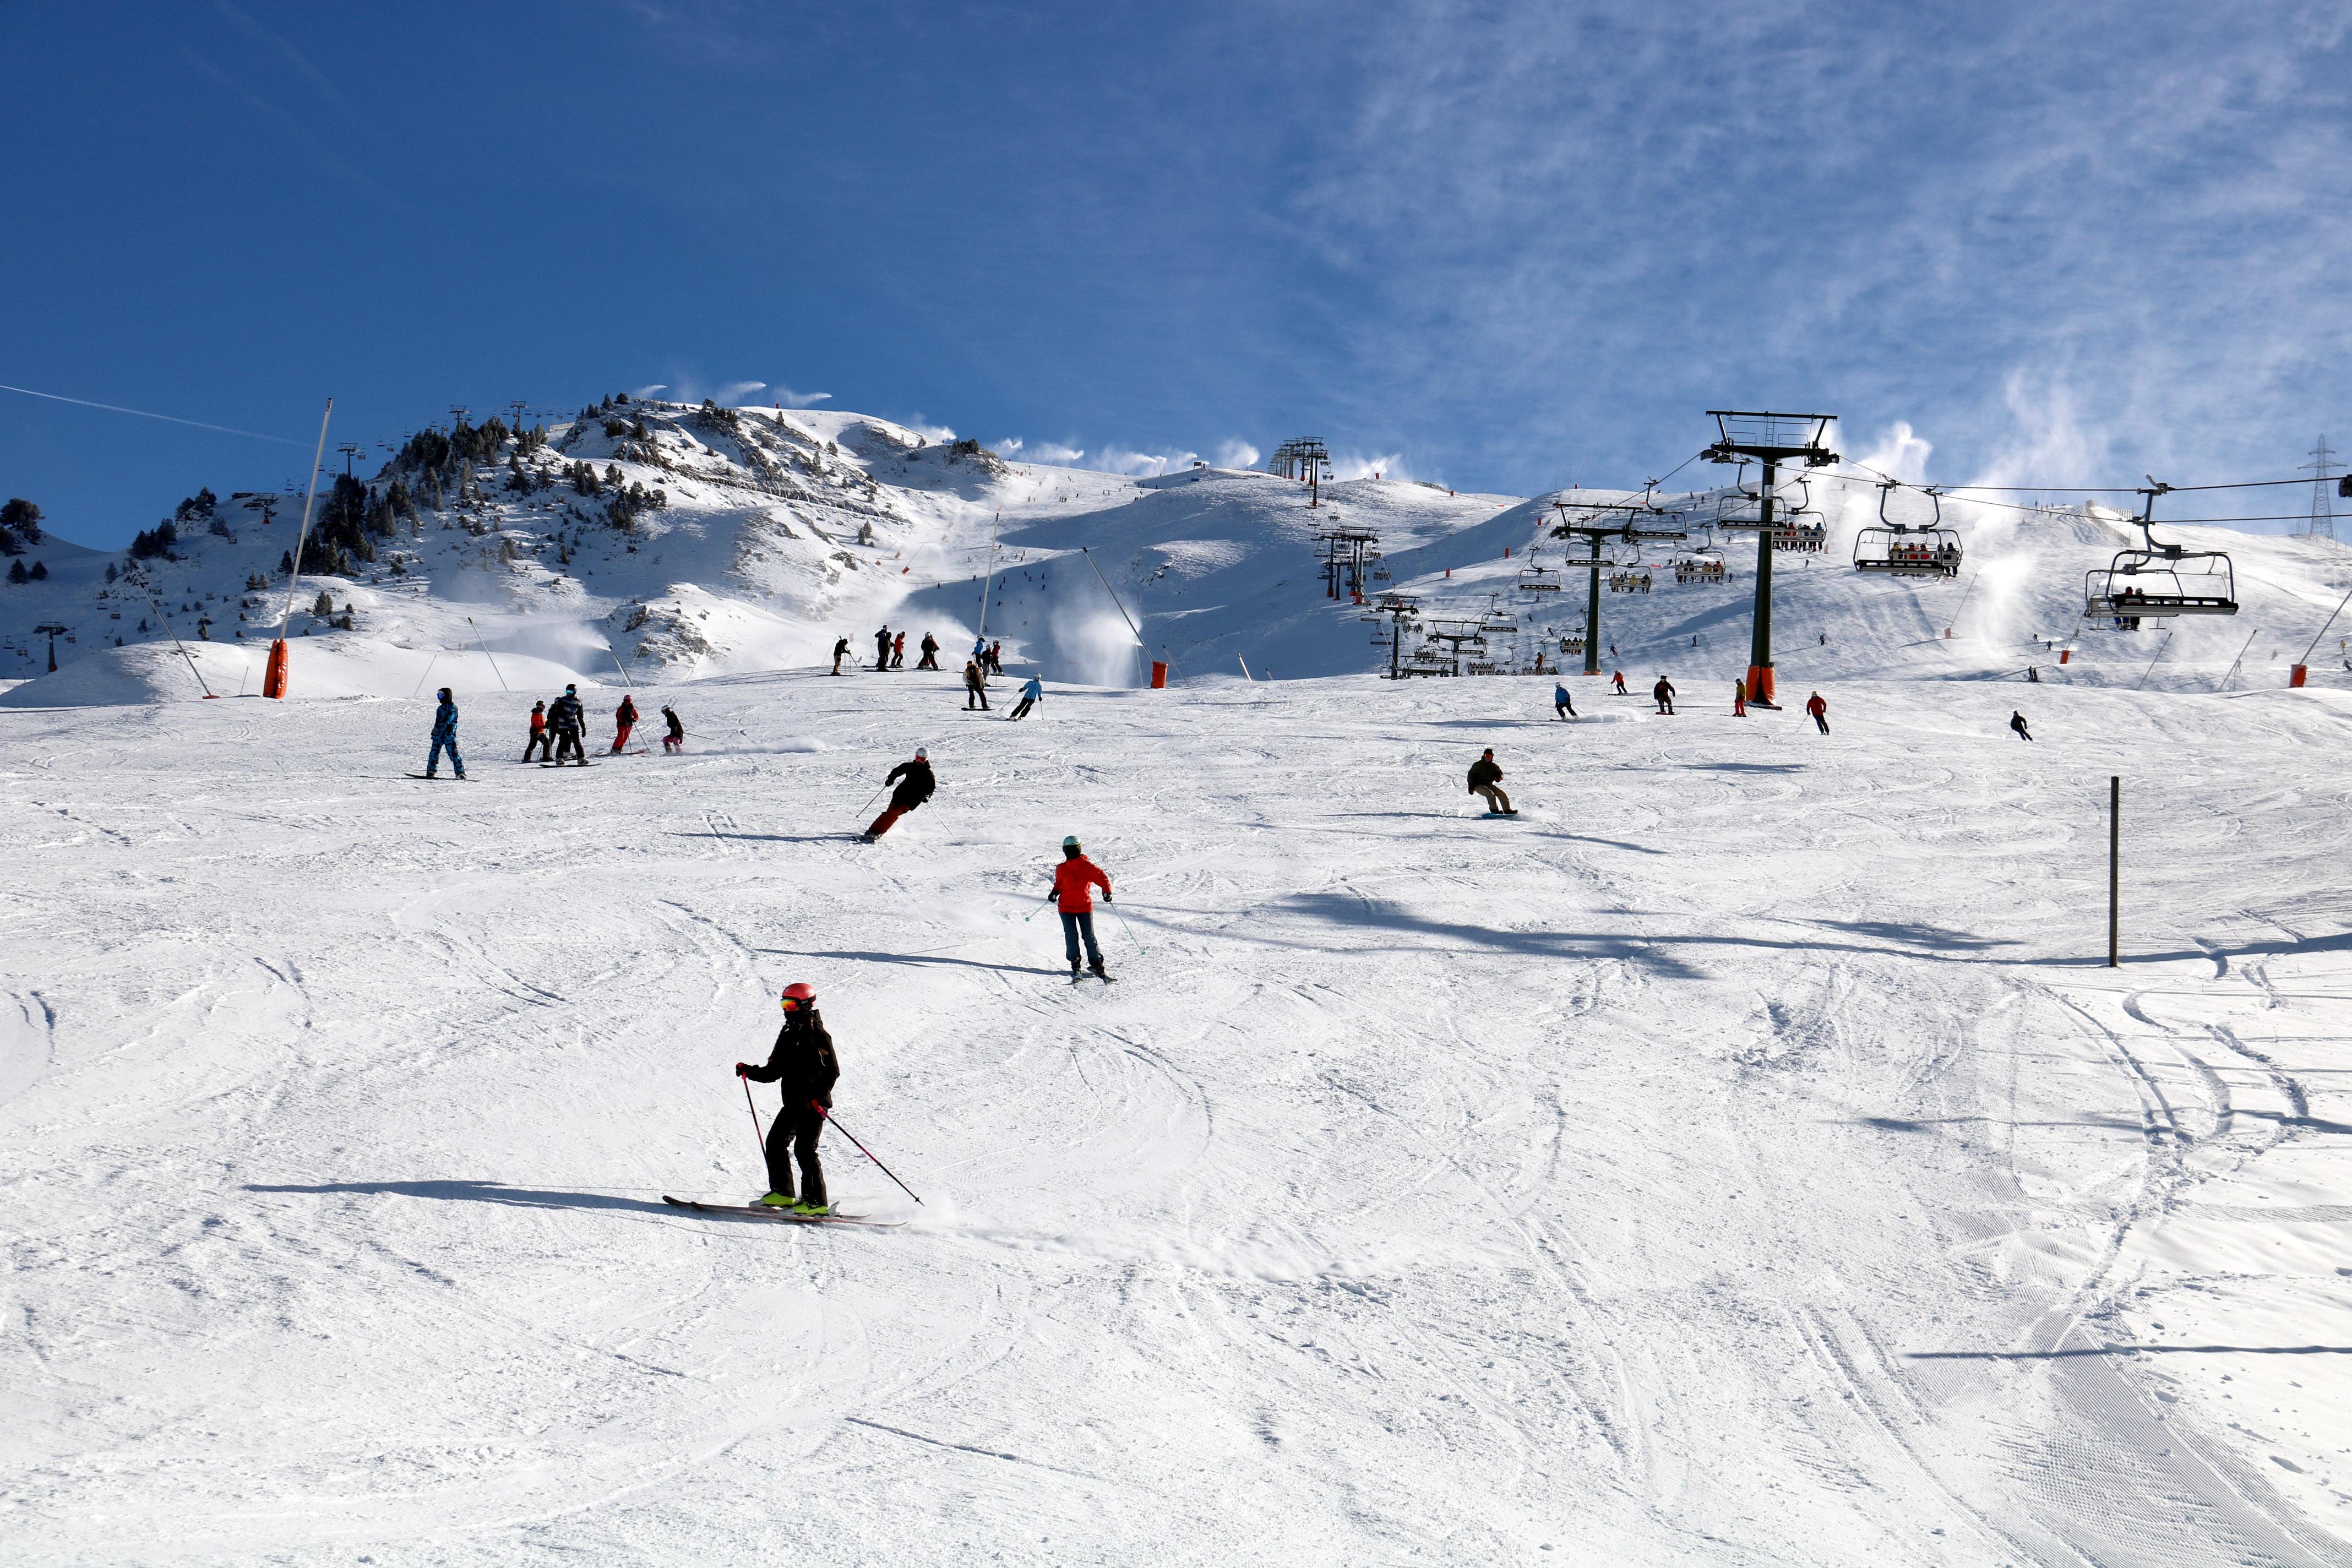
<point>540,740</point>
<point>567,718</point>
<point>840,652</point>
<point>994,661</point>
<point>882,649</point>
<point>975,687</point>
<point>1031,690</point>
<point>1487,781</point>
<point>1663,693</point>
<point>673,742</point>
<point>804,1067</point>
<point>445,736</point>
<point>898,651</point>
<point>1560,706</point>
<point>2017,723</point>
<point>1072,879</point>
<point>1820,710</point>
<point>1739,698</point>
<point>915,783</point>
<point>930,647</point>
<point>624,719</point>
<point>1618,679</point>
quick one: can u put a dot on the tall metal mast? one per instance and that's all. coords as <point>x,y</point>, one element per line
<point>1772,439</point>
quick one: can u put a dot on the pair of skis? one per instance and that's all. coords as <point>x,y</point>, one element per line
<point>761,1211</point>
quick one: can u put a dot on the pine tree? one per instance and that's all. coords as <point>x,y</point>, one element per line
<point>17,572</point>
<point>39,573</point>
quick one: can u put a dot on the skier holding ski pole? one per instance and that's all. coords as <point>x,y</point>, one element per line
<point>915,781</point>
<point>805,1068</point>
<point>1073,879</point>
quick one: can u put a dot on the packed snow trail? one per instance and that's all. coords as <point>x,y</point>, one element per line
<point>1743,1155</point>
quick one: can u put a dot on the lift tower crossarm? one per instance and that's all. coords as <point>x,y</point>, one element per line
<point>1772,439</point>
<point>1603,519</point>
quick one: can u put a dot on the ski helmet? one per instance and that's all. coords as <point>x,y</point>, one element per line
<point>1071,842</point>
<point>921,756</point>
<point>799,993</point>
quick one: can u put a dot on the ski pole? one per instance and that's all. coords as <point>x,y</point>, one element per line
<point>754,1109</point>
<point>1033,914</point>
<point>1122,920</point>
<point>869,799</point>
<point>862,1148</point>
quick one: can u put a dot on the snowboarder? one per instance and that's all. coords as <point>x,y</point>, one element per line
<point>1072,878</point>
<point>1486,780</point>
<point>1618,678</point>
<point>1560,706</point>
<point>804,1067</point>
<point>1825,636</point>
<point>539,739</point>
<point>2017,723</point>
<point>930,647</point>
<point>975,686</point>
<point>915,786</point>
<point>676,739</point>
<point>1664,691</point>
<point>882,649</point>
<point>1030,691</point>
<point>1739,698</point>
<point>2033,674</point>
<point>898,651</point>
<point>840,652</point>
<point>567,718</point>
<point>624,719</point>
<point>445,735</point>
<point>1820,710</point>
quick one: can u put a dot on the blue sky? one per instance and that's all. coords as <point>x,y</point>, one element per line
<point>1503,245</point>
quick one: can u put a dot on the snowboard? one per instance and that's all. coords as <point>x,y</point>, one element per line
<point>567,764</point>
<point>1105,979</point>
<point>460,778</point>
<point>756,1211</point>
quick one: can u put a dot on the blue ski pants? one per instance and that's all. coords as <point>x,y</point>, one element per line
<point>1074,926</point>
<point>433,764</point>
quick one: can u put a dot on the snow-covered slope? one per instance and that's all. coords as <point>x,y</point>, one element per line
<point>1743,1157</point>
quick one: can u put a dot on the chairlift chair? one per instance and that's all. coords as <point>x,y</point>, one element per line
<point>2159,579</point>
<point>1891,549</point>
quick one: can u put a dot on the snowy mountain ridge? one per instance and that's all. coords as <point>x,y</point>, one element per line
<point>650,543</point>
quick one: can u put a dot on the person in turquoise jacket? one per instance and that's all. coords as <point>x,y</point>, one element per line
<point>1032,690</point>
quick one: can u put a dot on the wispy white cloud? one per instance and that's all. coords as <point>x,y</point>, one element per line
<point>930,432</point>
<point>1237,454</point>
<point>1891,214</point>
<point>790,399</point>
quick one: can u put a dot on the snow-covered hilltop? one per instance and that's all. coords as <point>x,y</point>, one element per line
<point>649,542</point>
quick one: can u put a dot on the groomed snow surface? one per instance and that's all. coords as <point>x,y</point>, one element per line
<point>1744,1155</point>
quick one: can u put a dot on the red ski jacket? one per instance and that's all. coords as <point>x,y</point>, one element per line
<point>1816,707</point>
<point>1071,878</point>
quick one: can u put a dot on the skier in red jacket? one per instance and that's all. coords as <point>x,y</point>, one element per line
<point>1072,878</point>
<point>1820,710</point>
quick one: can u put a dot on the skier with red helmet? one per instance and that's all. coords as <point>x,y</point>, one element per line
<point>804,1067</point>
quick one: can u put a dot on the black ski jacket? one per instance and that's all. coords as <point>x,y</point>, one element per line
<point>802,1064</point>
<point>1484,772</point>
<point>565,716</point>
<point>918,786</point>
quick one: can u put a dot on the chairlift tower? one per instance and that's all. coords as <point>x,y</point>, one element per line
<point>1307,458</point>
<point>1773,440</point>
<point>1594,521</point>
<point>1399,608</point>
<point>53,631</point>
<point>1347,553</point>
<point>2322,505</point>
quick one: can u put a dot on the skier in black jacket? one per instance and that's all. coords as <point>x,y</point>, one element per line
<point>804,1067</point>
<point>566,718</point>
<point>915,786</point>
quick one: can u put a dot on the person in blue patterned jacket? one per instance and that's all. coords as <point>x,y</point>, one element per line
<point>445,735</point>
